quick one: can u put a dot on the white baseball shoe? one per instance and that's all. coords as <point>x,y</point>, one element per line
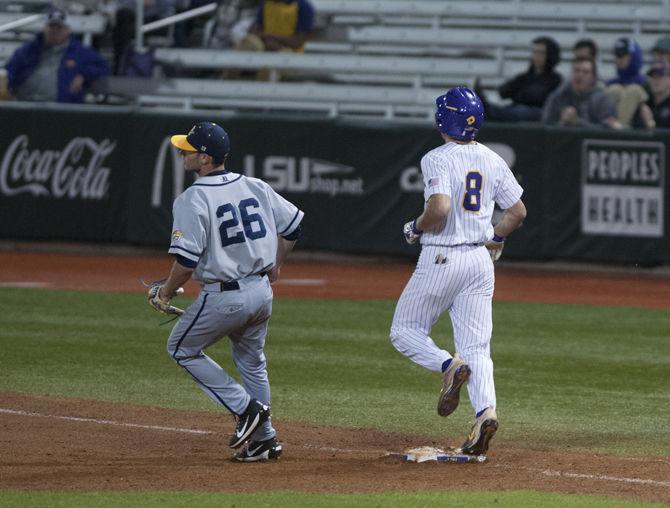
<point>453,378</point>
<point>482,431</point>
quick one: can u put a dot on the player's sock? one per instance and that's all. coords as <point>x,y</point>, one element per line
<point>481,412</point>
<point>445,364</point>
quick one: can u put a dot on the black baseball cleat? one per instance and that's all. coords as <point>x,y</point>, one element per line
<point>248,422</point>
<point>260,450</point>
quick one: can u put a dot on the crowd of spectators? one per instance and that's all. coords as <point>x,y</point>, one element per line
<point>632,99</point>
<point>56,66</point>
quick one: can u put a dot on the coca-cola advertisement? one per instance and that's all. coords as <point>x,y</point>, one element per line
<point>75,172</point>
<point>63,176</point>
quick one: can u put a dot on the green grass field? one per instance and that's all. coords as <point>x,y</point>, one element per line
<point>587,377</point>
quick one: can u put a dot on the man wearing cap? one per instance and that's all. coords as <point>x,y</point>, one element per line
<point>55,66</point>
<point>656,112</point>
<point>627,90</point>
<point>231,233</point>
<point>661,51</point>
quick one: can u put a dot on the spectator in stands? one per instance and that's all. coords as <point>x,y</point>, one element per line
<point>55,65</point>
<point>580,102</point>
<point>281,25</point>
<point>661,51</point>
<point>528,90</point>
<point>656,113</point>
<point>585,48</point>
<point>123,33</point>
<point>627,90</point>
<point>232,22</point>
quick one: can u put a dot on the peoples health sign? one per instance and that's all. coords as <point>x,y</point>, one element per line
<point>623,188</point>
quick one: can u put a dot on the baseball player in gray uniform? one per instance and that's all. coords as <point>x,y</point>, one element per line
<point>231,233</point>
<point>463,180</point>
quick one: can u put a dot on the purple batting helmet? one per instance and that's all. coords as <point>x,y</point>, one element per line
<point>460,113</point>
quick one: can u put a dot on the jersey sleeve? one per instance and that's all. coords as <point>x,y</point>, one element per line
<point>509,191</point>
<point>287,216</point>
<point>435,181</point>
<point>190,226</point>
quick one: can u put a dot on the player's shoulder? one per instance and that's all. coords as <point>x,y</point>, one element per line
<point>255,182</point>
<point>436,155</point>
<point>487,152</point>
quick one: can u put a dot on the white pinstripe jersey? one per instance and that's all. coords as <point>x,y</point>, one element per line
<point>228,224</point>
<point>474,177</point>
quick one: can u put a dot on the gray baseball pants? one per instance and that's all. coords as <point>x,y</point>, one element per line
<point>242,315</point>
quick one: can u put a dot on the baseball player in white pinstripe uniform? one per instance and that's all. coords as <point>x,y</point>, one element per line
<point>463,181</point>
<point>231,233</point>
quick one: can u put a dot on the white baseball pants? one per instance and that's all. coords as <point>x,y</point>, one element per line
<point>459,280</point>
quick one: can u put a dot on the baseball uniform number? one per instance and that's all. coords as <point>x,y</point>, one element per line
<point>248,221</point>
<point>472,200</point>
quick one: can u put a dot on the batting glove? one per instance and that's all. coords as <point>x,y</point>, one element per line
<point>495,247</point>
<point>411,233</point>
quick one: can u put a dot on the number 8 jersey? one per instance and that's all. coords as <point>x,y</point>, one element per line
<point>228,224</point>
<point>475,178</point>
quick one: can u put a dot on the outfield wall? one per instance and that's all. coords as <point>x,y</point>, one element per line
<point>110,175</point>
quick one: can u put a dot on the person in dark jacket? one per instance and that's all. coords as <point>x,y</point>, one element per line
<point>656,112</point>
<point>54,66</point>
<point>628,90</point>
<point>529,90</point>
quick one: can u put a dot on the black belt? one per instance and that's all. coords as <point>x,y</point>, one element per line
<point>233,285</point>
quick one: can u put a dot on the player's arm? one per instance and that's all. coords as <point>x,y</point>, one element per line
<point>161,292</point>
<point>433,216</point>
<point>512,218</point>
<point>436,212</point>
<point>284,247</point>
<point>179,275</point>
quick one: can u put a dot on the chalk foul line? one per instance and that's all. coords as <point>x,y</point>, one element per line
<point>551,472</point>
<point>106,422</point>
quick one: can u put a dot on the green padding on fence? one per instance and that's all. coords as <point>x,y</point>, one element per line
<point>111,176</point>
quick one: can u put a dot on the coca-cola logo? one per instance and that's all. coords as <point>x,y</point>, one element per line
<point>77,171</point>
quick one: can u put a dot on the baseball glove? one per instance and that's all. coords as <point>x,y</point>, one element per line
<point>160,304</point>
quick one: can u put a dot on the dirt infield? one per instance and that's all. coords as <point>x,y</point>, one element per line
<point>53,443</point>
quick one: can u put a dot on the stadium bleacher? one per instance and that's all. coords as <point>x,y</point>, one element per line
<point>400,51</point>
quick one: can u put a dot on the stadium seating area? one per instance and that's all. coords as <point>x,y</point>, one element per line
<point>373,58</point>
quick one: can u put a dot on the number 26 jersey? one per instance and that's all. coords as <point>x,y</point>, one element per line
<point>228,224</point>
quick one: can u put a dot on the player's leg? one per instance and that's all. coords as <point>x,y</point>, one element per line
<point>247,346</point>
<point>471,318</point>
<point>202,325</point>
<point>426,296</point>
